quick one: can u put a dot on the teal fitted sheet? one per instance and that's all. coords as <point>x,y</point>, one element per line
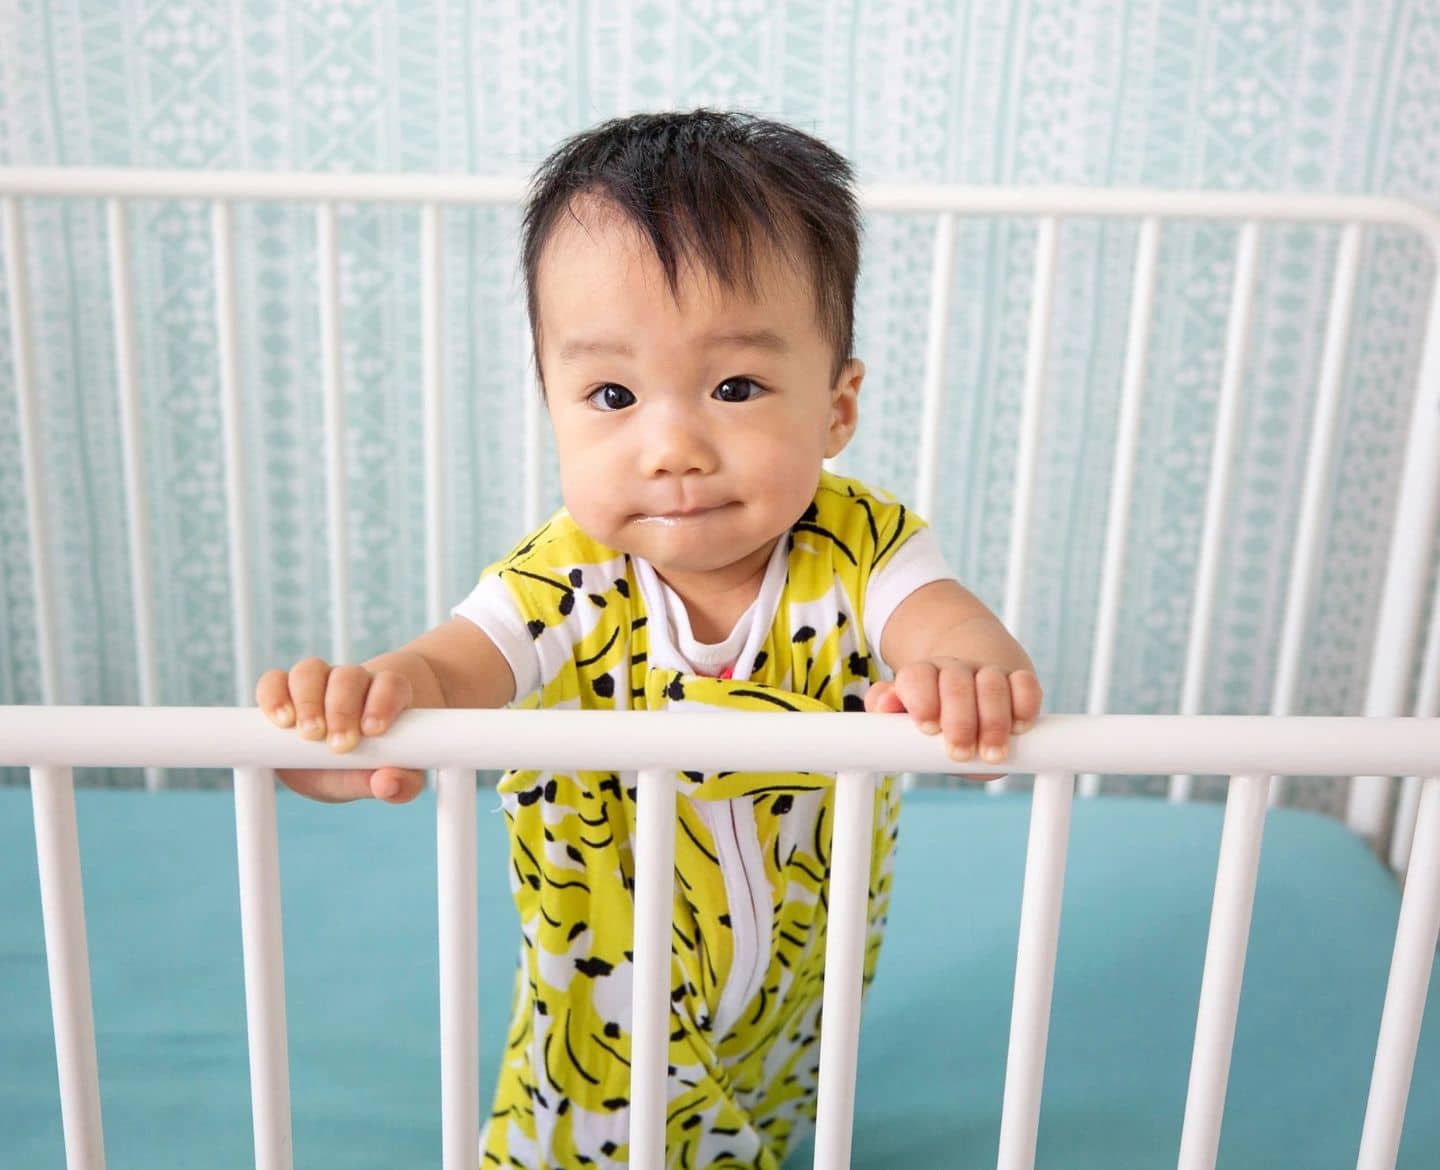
<point>360,954</point>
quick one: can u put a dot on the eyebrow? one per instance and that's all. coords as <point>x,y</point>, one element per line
<point>766,339</point>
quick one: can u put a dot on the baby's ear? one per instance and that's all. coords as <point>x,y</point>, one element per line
<point>844,406</point>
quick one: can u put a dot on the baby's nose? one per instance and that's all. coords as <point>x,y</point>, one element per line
<point>678,444</point>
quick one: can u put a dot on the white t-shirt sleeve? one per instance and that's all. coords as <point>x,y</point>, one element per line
<point>491,607</point>
<point>915,563</point>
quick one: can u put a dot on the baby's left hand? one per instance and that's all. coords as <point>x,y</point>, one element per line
<point>975,706</point>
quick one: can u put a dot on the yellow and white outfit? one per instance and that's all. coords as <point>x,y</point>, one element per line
<point>586,626</point>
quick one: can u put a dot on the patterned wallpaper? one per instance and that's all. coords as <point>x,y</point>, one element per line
<point>1319,95</point>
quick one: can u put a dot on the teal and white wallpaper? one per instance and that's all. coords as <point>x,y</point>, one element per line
<point>1292,95</point>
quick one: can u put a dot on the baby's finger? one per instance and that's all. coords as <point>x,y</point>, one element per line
<point>329,786</point>
<point>390,693</point>
<point>344,700</point>
<point>272,695</point>
<point>918,691</point>
<point>992,701</point>
<point>396,785</point>
<point>1025,699</point>
<point>882,697</point>
<point>307,693</point>
<point>957,703</point>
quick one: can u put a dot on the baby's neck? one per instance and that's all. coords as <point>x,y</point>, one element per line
<point>714,602</point>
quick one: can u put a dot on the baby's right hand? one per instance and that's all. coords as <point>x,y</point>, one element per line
<point>339,704</point>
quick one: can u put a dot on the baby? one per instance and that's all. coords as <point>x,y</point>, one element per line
<point>690,284</point>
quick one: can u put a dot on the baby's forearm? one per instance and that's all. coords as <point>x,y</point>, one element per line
<point>982,640</point>
<point>453,665</point>
<point>426,687</point>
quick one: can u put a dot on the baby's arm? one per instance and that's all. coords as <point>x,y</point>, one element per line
<point>453,665</point>
<point>957,672</point>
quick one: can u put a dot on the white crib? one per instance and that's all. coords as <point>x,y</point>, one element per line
<point>1256,752</point>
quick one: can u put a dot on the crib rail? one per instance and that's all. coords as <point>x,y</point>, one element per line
<point>1248,749</point>
<point>1416,517</point>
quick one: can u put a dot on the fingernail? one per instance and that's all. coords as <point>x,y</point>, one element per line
<point>930,727</point>
<point>1021,727</point>
<point>342,741</point>
<point>371,726</point>
<point>959,754</point>
<point>312,726</point>
<point>993,755</point>
<point>387,788</point>
<point>284,715</point>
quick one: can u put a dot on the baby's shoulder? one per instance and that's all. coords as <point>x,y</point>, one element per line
<point>559,543</point>
<point>843,492</point>
<point>867,522</point>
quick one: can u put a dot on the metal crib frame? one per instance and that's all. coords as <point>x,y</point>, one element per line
<point>1370,750</point>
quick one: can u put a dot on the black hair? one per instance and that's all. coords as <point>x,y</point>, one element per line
<point>701,186</point>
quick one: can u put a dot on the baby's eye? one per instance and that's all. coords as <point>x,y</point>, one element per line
<point>737,390</point>
<point>611,397</point>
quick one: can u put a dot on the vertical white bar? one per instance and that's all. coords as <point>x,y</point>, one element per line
<point>227,321</point>
<point>67,956</point>
<point>328,262</point>
<point>1417,514</point>
<point>534,424</point>
<point>32,454</point>
<point>132,446</point>
<point>1222,458</point>
<point>459,968</point>
<point>432,340</point>
<point>263,942</point>
<point>1405,994</point>
<point>1035,968</point>
<point>1235,878</point>
<point>1427,706</point>
<point>1037,365</point>
<point>850,848</point>
<point>1127,438</point>
<point>650,1009</point>
<point>942,277</point>
<point>1309,544</point>
<point>942,273</point>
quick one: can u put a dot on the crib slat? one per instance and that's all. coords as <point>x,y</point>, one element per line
<point>1405,994</point>
<point>227,323</point>
<point>32,456</point>
<point>1417,514</point>
<point>137,512</point>
<point>328,274</point>
<point>1037,365</point>
<point>1127,439</point>
<point>1235,879</point>
<point>459,968</point>
<point>259,865</point>
<point>1227,427</point>
<point>1427,706</point>
<point>650,992</point>
<point>432,340</point>
<point>1040,906</point>
<point>850,849</point>
<point>1305,560</point>
<point>67,958</point>
<point>942,277</point>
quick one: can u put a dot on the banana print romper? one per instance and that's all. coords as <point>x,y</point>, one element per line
<point>749,934</point>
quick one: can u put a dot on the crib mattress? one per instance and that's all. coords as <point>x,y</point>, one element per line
<point>360,955</point>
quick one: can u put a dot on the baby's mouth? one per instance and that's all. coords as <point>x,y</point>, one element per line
<point>681,515</point>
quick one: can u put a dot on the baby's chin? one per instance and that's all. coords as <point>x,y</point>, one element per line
<point>677,550</point>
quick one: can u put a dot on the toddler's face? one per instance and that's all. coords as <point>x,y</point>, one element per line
<point>689,432</point>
